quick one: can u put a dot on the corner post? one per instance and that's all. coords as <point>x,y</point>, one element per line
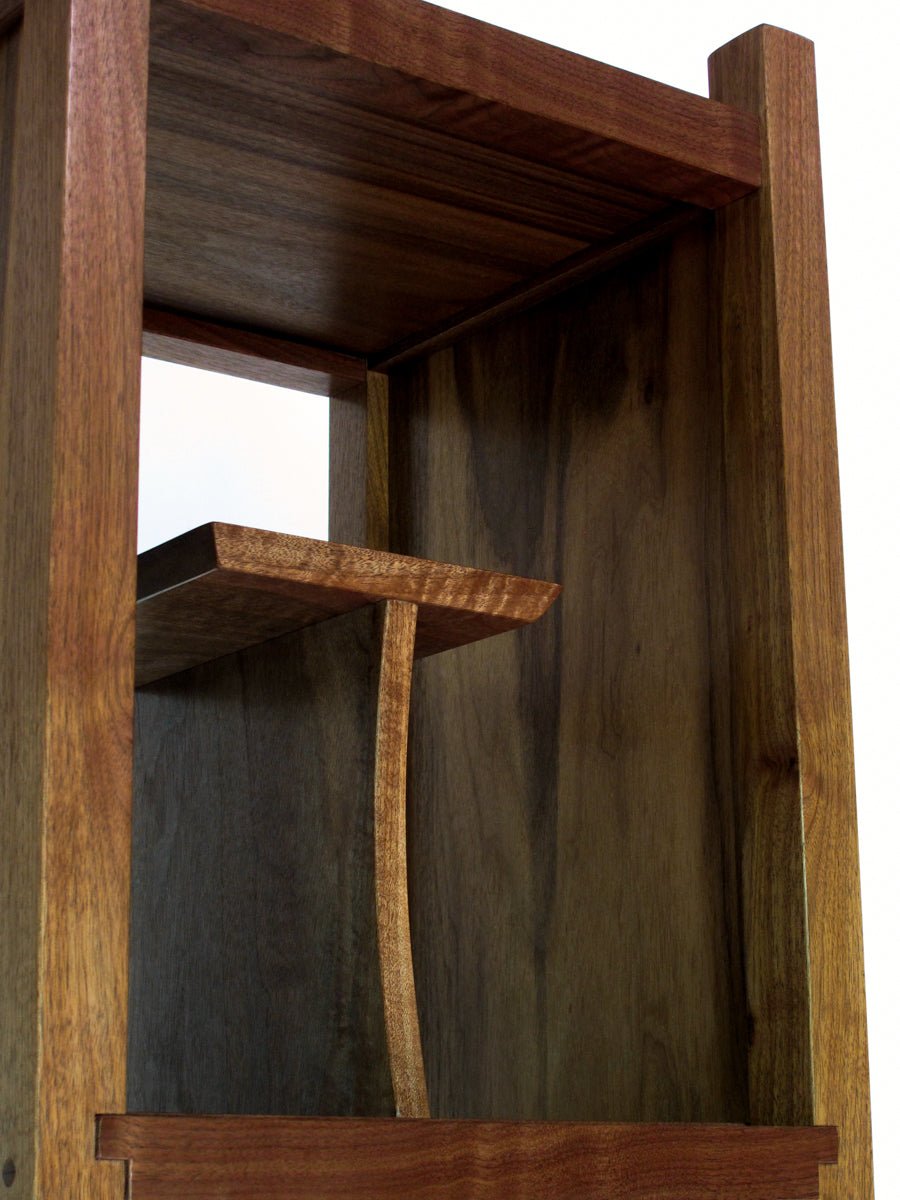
<point>69,394</point>
<point>803,941</point>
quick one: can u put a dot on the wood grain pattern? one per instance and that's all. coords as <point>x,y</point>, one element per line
<point>391,894</point>
<point>377,455</point>
<point>248,354</point>
<point>574,778</point>
<point>556,279</point>
<point>10,14</point>
<point>69,383</point>
<point>254,970</point>
<point>349,519</point>
<point>221,588</point>
<point>689,148</point>
<point>346,138</point>
<point>177,1159</point>
<point>790,622</point>
<point>9,62</point>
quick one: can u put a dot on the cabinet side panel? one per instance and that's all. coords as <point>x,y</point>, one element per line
<point>254,970</point>
<point>572,868</point>
<point>791,637</point>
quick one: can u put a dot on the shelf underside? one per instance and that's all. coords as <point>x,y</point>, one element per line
<point>357,174</point>
<point>244,1158</point>
<point>222,588</point>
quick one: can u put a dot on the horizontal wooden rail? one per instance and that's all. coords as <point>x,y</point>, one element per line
<point>247,353</point>
<point>244,1158</point>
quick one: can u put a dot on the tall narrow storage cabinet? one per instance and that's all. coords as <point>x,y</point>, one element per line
<point>503,845</point>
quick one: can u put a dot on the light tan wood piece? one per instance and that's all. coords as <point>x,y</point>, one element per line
<point>221,588</point>
<point>391,892</point>
<point>809,1060</point>
<point>69,387</point>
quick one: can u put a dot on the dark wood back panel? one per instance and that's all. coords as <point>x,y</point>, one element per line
<point>9,62</point>
<point>254,968</point>
<point>575,916</point>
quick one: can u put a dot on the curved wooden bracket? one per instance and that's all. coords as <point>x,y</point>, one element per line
<point>391,893</point>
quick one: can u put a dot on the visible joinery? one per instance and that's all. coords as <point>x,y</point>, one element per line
<point>180,1159</point>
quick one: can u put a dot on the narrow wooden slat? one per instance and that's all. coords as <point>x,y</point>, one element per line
<point>348,470</point>
<point>221,588</point>
<point>809,1057</point>
<point>530,98</point>
<point>391,892</point>
<point>69,390</point>
<point>377,408</point>
<point>247,354</point>
<point>543,286</point>
<point>178,1158</point>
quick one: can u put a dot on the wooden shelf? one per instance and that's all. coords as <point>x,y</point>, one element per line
<point>400,161</point>
<point>179,1158</point>
<point>222,588</point>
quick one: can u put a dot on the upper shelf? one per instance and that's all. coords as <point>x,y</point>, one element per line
<point>355,172</point>
<point>221,588</point>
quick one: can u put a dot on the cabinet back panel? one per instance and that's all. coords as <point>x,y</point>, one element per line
<point>254,970</point>
<point>573,878</point>
<point>9,61</point>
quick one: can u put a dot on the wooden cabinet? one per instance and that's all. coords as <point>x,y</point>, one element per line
<point>572,910</point>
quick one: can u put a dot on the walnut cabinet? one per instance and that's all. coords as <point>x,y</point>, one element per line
<point>503,845</point>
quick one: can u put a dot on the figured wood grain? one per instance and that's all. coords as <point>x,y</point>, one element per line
<point>792,684</point>
<point>462,1160</point>
<point>672,142</point>
<point>398,639</point>
<point>347,138</point>
<point>247,354</point>
<point>575,779</point>
<point>69,382</point>
<point>254,967</point>
<point>221,588</point>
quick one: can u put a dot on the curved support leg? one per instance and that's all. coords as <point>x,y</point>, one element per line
<point>391,893</point>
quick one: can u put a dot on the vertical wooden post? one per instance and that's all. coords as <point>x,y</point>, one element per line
<point>69,388</point>
<point>808,1060</point>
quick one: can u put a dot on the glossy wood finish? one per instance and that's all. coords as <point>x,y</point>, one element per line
<point>254,966</point>
<point>69,382</point>
<point>391,892</point>
<point>174,1159</point>
<point>177,338</point>
<point>415,162</point>
<point>789,626</point>
<point>573,877</point>
<point>221,588</point>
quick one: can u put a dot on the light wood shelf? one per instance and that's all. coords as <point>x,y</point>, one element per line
<point>221,588</point>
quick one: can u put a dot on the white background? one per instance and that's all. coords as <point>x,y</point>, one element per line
<point>190,474</point>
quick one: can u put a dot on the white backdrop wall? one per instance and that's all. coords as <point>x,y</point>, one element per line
<point>200,461</point>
